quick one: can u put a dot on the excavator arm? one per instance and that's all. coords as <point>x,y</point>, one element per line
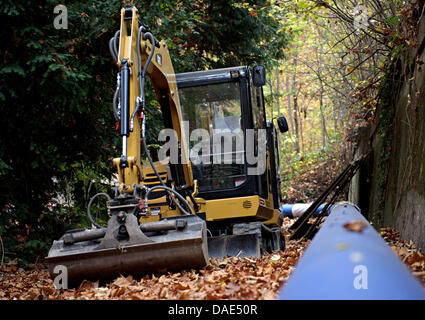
<point>140,55</point>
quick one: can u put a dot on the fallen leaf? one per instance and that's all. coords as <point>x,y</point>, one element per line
<point>355,225</point>
<point>275,258</point>
<point>121,282</point>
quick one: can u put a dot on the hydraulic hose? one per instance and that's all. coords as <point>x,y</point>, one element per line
<point>176,193</point>
<point>142,74</point>
<point>116,108</point>
<point>93,222</point>
<point>141,100</point>
<point>171,192</point>
<point>111,49</point>
<point>113,43</point>
<point>113,46</point>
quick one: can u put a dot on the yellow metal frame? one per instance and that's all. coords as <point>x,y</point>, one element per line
<point>161,73</point>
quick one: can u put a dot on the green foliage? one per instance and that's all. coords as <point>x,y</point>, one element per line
<point>212,34</point>
<point>55,110</point>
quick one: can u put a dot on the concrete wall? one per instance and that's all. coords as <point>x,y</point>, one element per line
<point>390,188</point>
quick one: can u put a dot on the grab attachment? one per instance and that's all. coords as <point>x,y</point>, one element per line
<point>109,256</point>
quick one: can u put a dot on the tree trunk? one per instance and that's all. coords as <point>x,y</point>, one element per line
<point>288,92</point>
<point>323,119</point>
<point>277,92</point>
<point>295,111</point>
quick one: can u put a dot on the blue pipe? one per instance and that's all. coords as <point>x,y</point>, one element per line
<point>297,209</point>
<point>341,264</point>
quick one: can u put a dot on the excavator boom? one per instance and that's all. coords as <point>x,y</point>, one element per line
<point>140,55</point>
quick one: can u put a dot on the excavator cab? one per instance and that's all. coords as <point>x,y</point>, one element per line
<point>224,105</point>
<point>234,158</point>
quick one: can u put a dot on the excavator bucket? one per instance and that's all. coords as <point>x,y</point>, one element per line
<point>246,245</point>
<point>101,254</point>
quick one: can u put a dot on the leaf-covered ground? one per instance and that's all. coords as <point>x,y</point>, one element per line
<point>228,278</point>
<point>312,181</point>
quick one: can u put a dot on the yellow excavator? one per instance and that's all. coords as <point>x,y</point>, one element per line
<point>212,190</point>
